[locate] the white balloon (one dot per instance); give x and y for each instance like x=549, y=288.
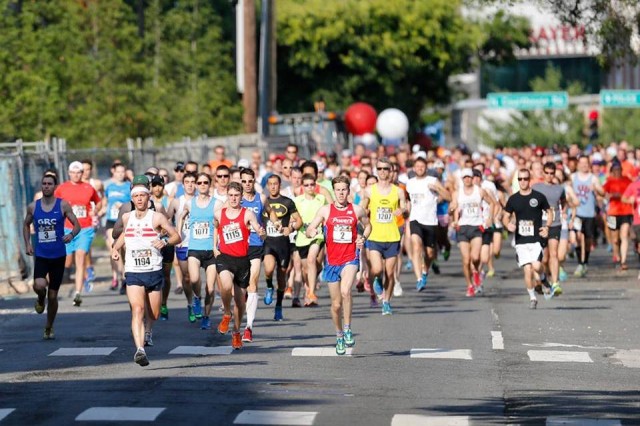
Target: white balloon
x=369, y=140
x=392, y=124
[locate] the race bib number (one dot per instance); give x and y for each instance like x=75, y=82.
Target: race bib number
x=46, y=234
x=231, y=233
x=113, y=212
x=384, y=215
x=417, y=199
x=342, y=234
x=185, y=225
x=141, y=257
x=201, y=230
x=79, y=211
x=611, y=222
x=577, y=224
x=525, y=228
x=471, y=210
x=272, y=230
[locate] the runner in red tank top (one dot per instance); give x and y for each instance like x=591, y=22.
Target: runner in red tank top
x=344, y=241
x=230, y=247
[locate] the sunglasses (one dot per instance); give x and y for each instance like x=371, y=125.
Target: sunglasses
x=247, y=181
x=309, y=184
x=179, y=170
x=223, y=176
x=203, y=182
x=523, y=179
x=549, y=173
x=383, y=168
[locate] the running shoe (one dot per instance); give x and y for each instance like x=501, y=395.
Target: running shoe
x=408, y=266
x=548, y=294
x=476, y=278
x=197, y=307
x=420, y=285
x=436, y=268
x=533, y=304
x=123, y=289
x=48, y=334
x=88, y=285
x=341, y=348
x=367, y=285
x=148, y=338
x=114, y=284
x=479, y=290
x=562, y=275
x=223, y=327
x=491, y=273
x=179, y=290
x=373, y=302
x=190, y=314
x=164, y=312
x=377, y=286
x=277, y=316
x=360, y=287
x=205, y=324
x=39, y=306
x=236, y=340
x=386, y=308
x=268, y=296
x=91, y=274
x=349, y=340
x=397, y=290
x=295, y=303
x=247, y=336
x=556, y=289
x=288, y=293
x=312, y=301
x=470, y=291
x=140, y=358
x=77, y=300
x=578, y=271
x=446, y=255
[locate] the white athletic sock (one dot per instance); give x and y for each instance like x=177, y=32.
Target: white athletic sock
x=532, y=293
x=252, y=307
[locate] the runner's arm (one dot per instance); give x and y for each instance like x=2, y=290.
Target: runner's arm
x=26, y=228
x=68, y=213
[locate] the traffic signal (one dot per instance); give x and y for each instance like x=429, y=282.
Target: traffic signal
x=593, y=125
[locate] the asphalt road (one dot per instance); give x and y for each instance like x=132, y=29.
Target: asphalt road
x=441, y=359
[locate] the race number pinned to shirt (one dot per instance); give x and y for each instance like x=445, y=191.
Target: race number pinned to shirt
x=384, y=215
x=231, y=233
x=525, y=228
x=201, y=230
x=46, y=234
x=114, y=211
x=611, y=222
x=471, y=210
x=79, y=211
x=342, y=234
x=577, y=224
x=272, y=230
x=141, y=258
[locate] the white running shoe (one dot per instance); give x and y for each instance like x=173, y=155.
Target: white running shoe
x=397, y=290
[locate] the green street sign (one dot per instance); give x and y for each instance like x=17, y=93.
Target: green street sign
x=528, y=100
x=620, y=98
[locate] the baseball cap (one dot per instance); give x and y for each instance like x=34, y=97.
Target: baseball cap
x=243, y=163
x=76, y=166
x=140, y=180
x=157, y=180
x=477, y=173
x=179, y=166
x=421, y=154
x=466, y=172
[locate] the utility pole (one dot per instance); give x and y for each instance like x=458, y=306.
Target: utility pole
x=265, y=66
x=249, y=97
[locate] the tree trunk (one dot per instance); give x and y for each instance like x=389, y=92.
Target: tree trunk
x=249, y=98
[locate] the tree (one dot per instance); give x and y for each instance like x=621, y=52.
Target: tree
x=503, y=34
x=540, y=128
x=618, y=124
x=390, y=54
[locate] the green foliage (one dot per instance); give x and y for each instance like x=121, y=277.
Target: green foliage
x=80, y=70
x=618, y=124
x=540, y=128
x=390, y=54
x=503, y=34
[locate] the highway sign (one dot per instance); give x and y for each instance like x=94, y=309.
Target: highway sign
x=620, y=98
x=528, y=100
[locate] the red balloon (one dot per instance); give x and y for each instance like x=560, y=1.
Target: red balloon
x=360, y=118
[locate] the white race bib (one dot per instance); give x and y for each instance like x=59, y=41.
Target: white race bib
x=611, y=222
x=114, y=211
x=384, y=215
x=471, y=210
x=79, y=211
x=577, y=224
x=272, y=231
x=342, y=234
x=46, y=234
x=231, y=233
x=141, y=258
x=525, y=228
x=201, y=230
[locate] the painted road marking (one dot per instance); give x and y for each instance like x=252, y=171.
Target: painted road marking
x=497, y=342
x=559, y=356
x=4, y=412
x=420, y=420
x=120, y=414
x=319, y=351
x=201, y=350
x=439, y=353
x=261, y=417
x=629, y=358
x=556, y=421
x=83, y=352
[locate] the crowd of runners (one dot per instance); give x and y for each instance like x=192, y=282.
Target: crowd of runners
x=351, y=220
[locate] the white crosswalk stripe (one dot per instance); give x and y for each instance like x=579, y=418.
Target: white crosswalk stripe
x=83, y=351
x=559, y=356
x=120, y=414
x=439, y=353
x=319, y=351
x=201, y=350
x=263, y=417
x=421, y=420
